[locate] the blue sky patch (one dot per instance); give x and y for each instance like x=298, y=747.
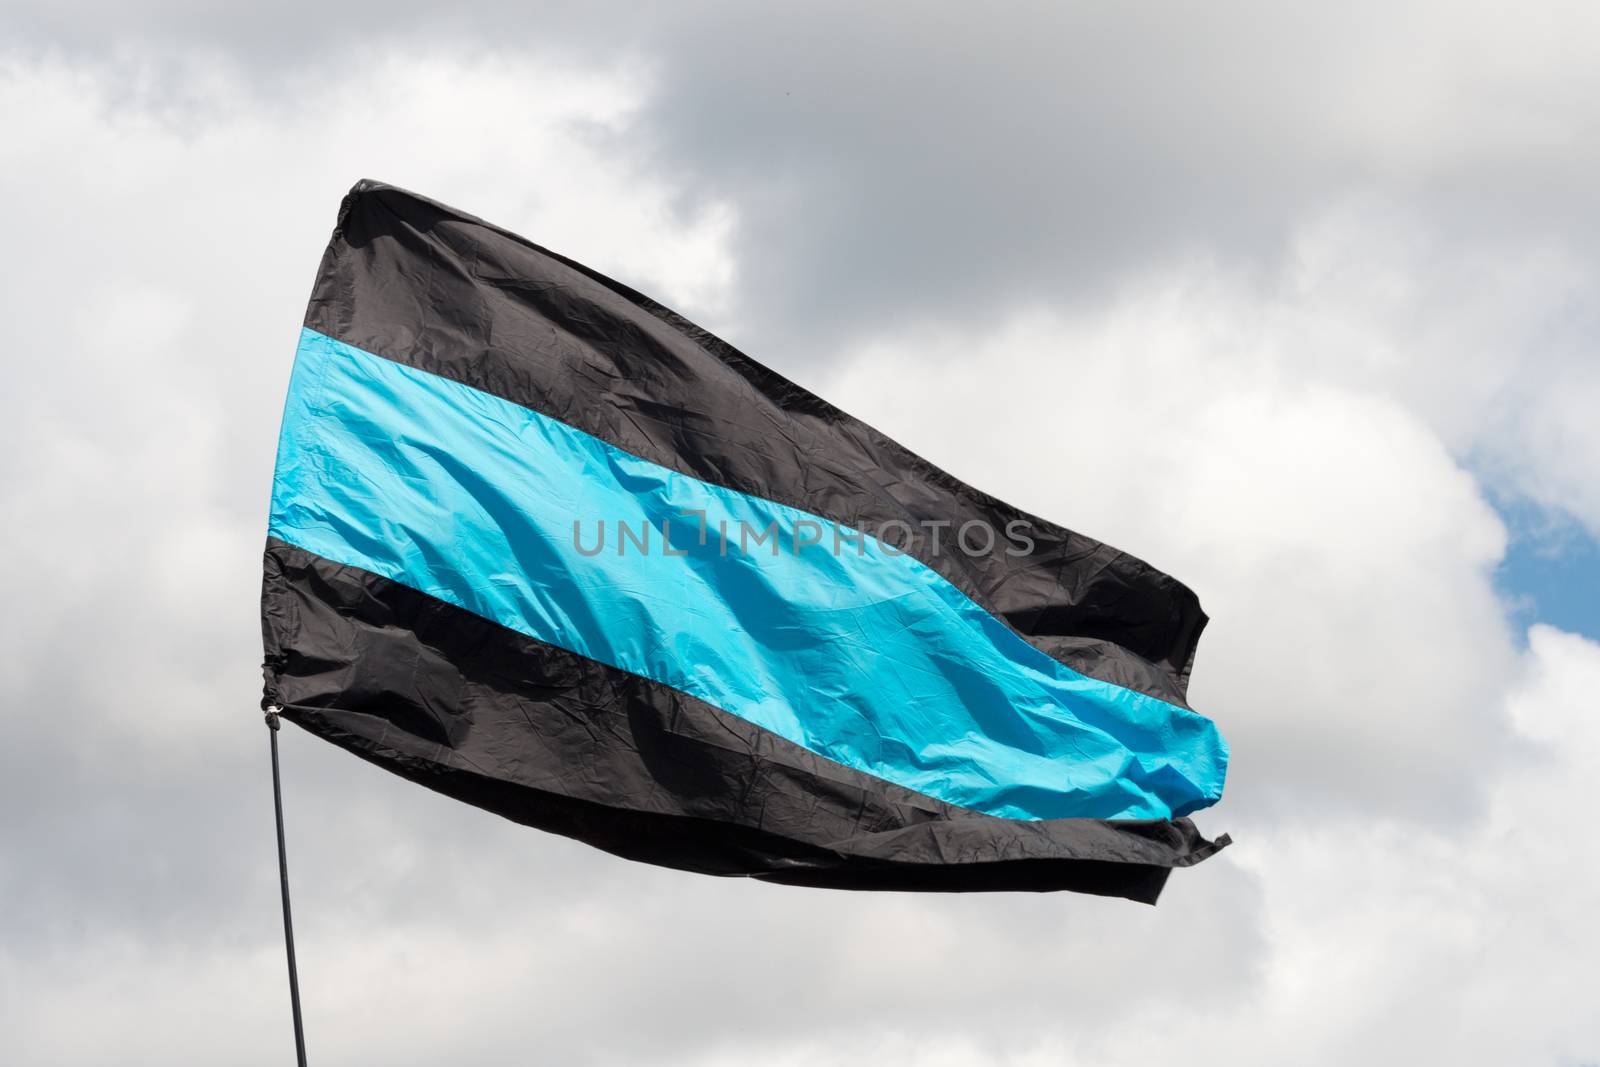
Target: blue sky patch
x=1551, y=572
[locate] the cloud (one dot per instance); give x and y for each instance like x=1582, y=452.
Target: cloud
x=1473, y=930
x=1344, y=555
x=157, y=267
x=1272, y=298
x=1352, y=938
x=907, y=163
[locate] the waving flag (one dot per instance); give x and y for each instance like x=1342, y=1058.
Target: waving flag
x=540, y=544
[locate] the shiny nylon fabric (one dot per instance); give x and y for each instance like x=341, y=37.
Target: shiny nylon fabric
x=558, y=741
x=426, y=285
x=855, y=652
x=582, y=747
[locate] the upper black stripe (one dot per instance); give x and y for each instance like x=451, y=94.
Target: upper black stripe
x=559, y=741
x=422, y=284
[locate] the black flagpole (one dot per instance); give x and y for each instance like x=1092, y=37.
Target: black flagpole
x=283, y=879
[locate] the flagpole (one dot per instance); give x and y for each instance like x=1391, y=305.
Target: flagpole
x=283, y=881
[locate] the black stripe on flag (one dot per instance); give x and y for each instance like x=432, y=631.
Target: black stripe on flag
x=553, y=740
x=424, y=285
x=550, y=737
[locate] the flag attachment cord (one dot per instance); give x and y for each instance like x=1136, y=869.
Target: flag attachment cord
x=283, y=880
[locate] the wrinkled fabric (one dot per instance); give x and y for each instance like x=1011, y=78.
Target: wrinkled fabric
x=425, y=285
x=855, y=719
x=556, y=741
x=829, y=639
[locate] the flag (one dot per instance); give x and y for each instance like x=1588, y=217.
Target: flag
x=543, y=545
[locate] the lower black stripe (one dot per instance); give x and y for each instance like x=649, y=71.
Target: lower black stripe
x=554, y=740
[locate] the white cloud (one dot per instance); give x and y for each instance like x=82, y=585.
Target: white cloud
x=157, y=263
x=1306, y=442
x=1323, y=940
x=1390, y=945
x=157, y=267
x=1492, y=345
x=1357, y=647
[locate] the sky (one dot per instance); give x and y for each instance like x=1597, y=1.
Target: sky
x=1297, y=302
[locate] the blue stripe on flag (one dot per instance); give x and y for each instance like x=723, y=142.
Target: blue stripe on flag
x=872, y=659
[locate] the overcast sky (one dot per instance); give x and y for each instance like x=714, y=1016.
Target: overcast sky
x=1298, y=302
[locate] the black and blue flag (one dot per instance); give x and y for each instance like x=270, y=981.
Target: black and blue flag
x=542, y=545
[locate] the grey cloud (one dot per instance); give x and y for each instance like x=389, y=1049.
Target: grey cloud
x=899, y=162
